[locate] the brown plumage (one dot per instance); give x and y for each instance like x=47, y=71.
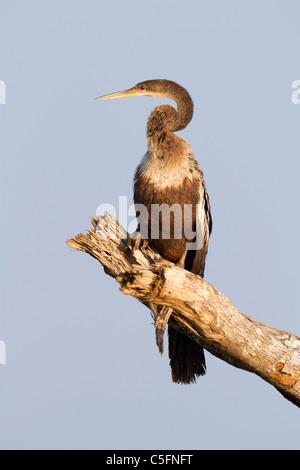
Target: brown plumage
x=169, y=174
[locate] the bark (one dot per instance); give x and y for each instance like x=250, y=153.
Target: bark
x=200, y=310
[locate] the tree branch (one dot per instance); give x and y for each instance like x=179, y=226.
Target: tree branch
x=200, y=310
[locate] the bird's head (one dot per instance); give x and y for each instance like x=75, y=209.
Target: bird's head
x=158, y=88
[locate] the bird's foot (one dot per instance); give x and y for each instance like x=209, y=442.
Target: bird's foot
x=181, y=261
x=135, y=241
x=160, y=326
x=154, y=311
x=162, y=317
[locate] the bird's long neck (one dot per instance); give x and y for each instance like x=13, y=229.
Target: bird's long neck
x=185, y=108
x=166, y=118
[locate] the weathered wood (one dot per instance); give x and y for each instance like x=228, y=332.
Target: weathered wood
x=200, y=310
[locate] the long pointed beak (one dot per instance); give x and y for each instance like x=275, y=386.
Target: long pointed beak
x=120, y=94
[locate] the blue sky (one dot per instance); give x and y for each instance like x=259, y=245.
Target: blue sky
x=82, y=369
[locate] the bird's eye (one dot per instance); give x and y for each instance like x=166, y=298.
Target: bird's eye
x=142, y=87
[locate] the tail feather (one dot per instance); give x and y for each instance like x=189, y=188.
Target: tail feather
x=187, y=358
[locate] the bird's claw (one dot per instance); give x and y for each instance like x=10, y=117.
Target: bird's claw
x=135, y=242
x=181, y=261
x=161, y=322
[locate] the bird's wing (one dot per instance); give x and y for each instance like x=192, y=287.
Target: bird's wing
x=203, y=230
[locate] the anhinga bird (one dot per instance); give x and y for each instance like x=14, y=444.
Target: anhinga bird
x=169, y=174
